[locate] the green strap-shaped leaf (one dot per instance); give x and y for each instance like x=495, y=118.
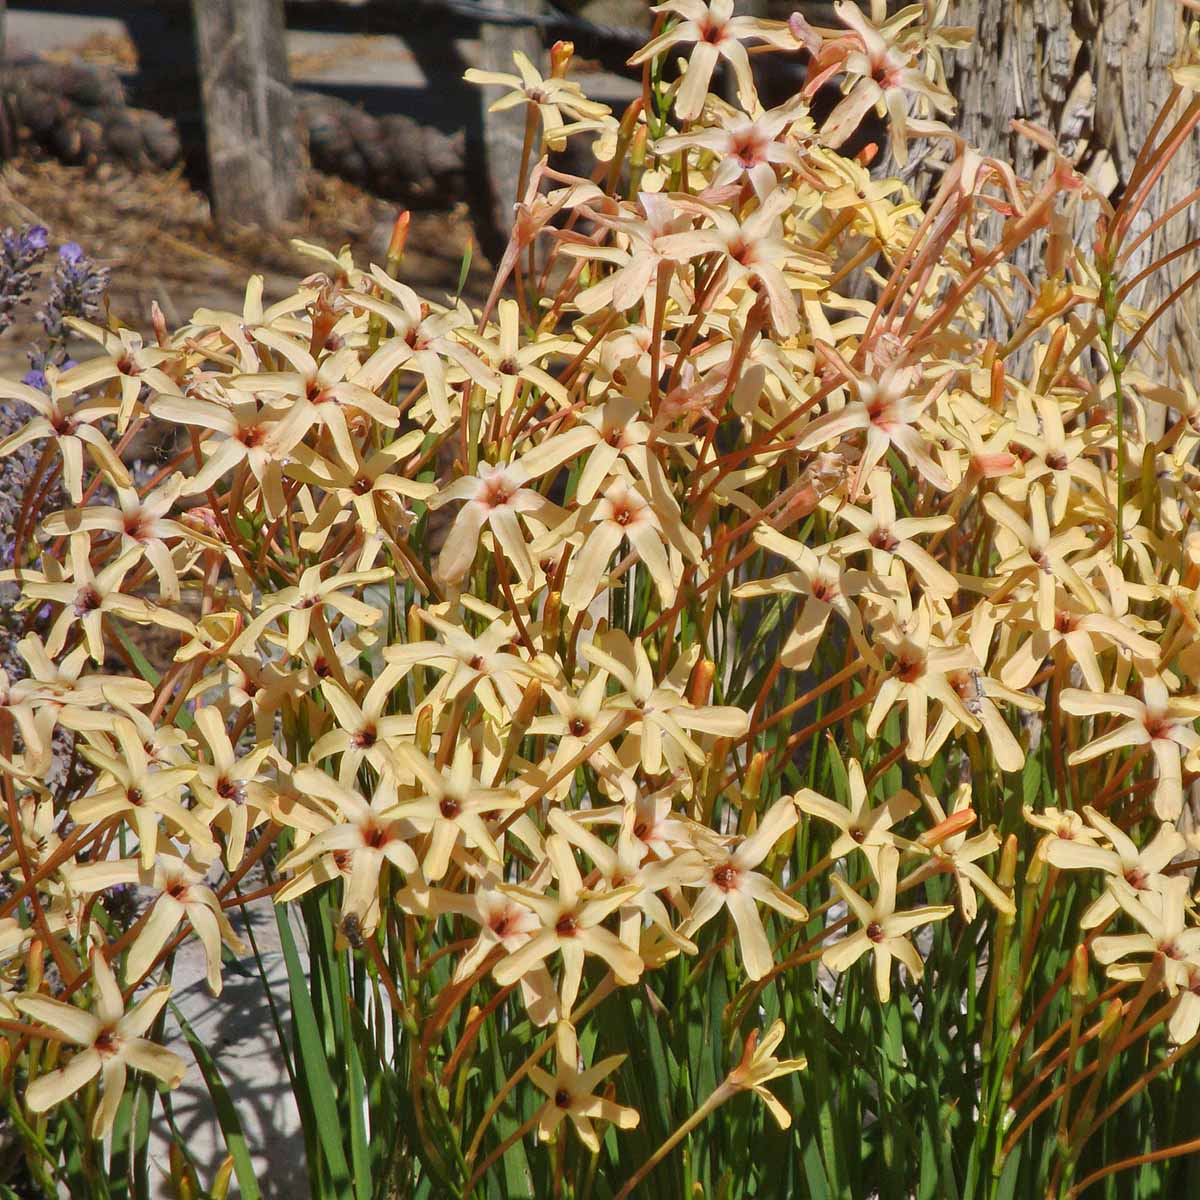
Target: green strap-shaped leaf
x=312, y=1066
x=227, y=1118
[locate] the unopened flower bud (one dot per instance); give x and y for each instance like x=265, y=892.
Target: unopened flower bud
x=551, y=622
x=637, y=147
x=1006, y=877
x=1079, y=972
x=561, y=54
x=220, y=1186
x=952, y=826
x=1053, y=357
x=804, y=33
x=752, y=787
x=424, y=730
x=701, y=682
x=399, y=239
x=34, y=965
x=323, y=319
x=159, y=324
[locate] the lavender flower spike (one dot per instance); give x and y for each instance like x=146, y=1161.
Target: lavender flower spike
x=20, y=253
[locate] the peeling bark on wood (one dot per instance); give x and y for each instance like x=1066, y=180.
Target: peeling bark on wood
x=254, y=146
x=1095, y=73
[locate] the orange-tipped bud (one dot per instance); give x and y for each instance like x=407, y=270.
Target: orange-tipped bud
x=34, y=964
x=996, y=397
x=1053, y=357
x=629, y=119
x=1079, y=972
x=954, y=824
x=324, y=318
x=424, y=732
x=399, y=238
x=159, y=324
x=561, y=54
x=701, y=682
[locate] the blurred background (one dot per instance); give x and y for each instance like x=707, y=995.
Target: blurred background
x=174, y=147
x=182, y=143
x=328, y=117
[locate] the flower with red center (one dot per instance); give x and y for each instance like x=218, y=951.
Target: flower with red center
x=883, y=928
x=889, y=412
x=1120, y=859
x=1164, y=723
x=363, y=731
x=111, y=1041
x=734, y=885
x=1165, y=929
x=883, y=537
x=751, y=147
x=454, y=807
x=861, y=826
x=622, y=513
x=826, y=585
x=130, y=783
x=367, y=834
x=571, y=925
x=621, y=866
x=126, y=359
x=754, y=252
x=569, y=1091
x=182, y=895
x=550, y=96
x=495, y=497
x=717, y=33
x=880, y=71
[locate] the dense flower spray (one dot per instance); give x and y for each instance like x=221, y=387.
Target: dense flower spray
x=650, y=667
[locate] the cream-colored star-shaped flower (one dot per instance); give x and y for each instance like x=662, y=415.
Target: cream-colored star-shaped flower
x=884, y=930
x=111, y=1041
x=733, y=884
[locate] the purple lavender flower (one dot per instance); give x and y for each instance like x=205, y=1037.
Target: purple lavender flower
x=77, y=289
x=20, y=253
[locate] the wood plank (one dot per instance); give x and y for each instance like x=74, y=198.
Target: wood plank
x=255, y=151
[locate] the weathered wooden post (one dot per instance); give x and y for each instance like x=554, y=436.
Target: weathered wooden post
x=504, y=132
x=255, y=153
x=1095, y=73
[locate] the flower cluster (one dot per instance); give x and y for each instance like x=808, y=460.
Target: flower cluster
x=20, y=253
x=76, y=292
x=514, y=634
